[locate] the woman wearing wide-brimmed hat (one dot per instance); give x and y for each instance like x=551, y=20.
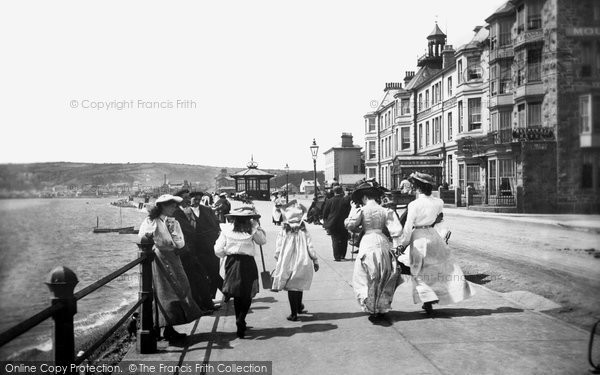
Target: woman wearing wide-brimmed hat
x=376, y=275
x=237, y=242
x=296, y=257
x=173, y=294
x=436, y=278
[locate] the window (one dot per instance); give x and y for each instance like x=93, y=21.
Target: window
x=450, y=174
x=521, y=115
x=590, y=60
x=474, y=114
x=473, y=69
x=505, y=77
x=426, y=98
x=521, y=19
x=505, y=38
x=492, y=177
x=405, y=104
x=585, y=112
x=372, y=150
x=438, y=130
x=587, y=175
x=589, y=114
x=426, y=133
x=405, y=138
x=520, y=64
x=371, y=121
x=493, y=78
x=420, y=102
x=493, y=38
x=420, y=135
x=534, y=114
x=473, y=176
x=460, y=116
x=450, y=126
x=372, y=173
x=494, y=122
x=461, y=177
x=459, y=71
x=534, y=15
x=534, y=65
x=506, y=176
x=449, y=87
x=505, y=127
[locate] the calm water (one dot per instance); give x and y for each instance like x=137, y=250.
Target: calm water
x=37, y=235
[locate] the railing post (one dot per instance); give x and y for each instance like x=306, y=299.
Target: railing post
x=146, y=337
x=457, y=197
x=61, y=283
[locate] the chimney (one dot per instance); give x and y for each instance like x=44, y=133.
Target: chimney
x=447, y=56
x=347, y=140
x=392, y=86
x=407, y=77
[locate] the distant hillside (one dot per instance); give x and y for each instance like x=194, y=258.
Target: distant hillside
x=36, y=176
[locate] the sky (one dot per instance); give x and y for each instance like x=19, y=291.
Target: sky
x=206, y=82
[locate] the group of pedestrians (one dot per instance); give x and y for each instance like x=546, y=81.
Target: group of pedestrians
x=395, y=249
x=188, y=242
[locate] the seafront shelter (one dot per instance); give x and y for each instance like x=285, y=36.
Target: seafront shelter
x=254, y=182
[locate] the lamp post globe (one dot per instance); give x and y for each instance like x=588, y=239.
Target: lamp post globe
x=287, y=182
x=314, y=149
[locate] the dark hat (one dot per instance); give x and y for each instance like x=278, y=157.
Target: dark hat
x=181, y=192
x=423, y=177
x=338, y=190
x=366, y=186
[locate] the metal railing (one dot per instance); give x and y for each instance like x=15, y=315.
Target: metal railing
x=62, y=282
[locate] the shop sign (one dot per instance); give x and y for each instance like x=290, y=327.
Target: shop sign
x=583, y=31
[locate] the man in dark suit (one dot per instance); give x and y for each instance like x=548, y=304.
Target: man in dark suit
x=207, y=231
x=191, y=259
x=336, y=210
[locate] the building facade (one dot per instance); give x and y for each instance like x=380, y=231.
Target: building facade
x=512, y=118
x=343, y=159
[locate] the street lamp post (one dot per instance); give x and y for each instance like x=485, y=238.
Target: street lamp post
x=287, y=183
x=314, y=149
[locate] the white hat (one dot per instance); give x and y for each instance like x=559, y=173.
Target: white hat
x=168, y=197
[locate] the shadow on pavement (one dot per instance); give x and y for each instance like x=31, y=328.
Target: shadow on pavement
x=265, y=300
x=479, y=278
x=267, y=333
x=447, y=313
x=330, y=316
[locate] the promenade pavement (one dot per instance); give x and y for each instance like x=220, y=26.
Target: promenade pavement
x=486, y=334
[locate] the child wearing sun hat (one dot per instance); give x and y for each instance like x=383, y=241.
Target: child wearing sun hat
x=296, y=257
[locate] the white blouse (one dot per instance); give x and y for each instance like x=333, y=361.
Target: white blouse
x=166, y=232
x=423, y=211
x=230, y=242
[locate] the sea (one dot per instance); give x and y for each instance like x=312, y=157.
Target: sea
x=38, y=235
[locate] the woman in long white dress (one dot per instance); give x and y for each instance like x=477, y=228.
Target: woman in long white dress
x=436, y=278
x=376, y=275
x=296, y=258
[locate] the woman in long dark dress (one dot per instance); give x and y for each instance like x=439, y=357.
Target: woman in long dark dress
x=173, y=294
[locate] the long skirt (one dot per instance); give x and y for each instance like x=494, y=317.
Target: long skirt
x=174, y=299
x=376, y=275
x=435, y=276
x=241, y=276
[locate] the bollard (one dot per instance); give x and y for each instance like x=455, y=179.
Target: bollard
x=468, y=196
x=61, y=283
x=146, y=337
